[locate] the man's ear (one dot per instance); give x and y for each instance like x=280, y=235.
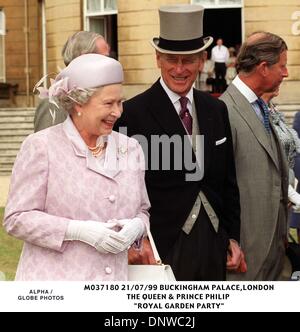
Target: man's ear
x=263, y=68
x=158, y=59
x=203, y=58
x=201, y=64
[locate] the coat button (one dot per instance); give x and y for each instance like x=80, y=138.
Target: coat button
x=194, y=216
x=108, y=270
x=112, y=198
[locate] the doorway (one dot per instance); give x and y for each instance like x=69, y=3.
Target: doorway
x=225, y=23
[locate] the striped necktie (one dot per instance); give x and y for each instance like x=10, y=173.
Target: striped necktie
x=265, y=113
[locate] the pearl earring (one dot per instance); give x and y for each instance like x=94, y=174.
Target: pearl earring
x=79, y=113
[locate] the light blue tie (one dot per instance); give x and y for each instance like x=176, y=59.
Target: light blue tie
x=265, y=113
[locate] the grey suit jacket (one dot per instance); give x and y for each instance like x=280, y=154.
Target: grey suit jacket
x=262, y=176
x=43, y=118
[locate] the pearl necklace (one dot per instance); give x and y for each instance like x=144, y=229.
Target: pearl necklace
x=98, y=149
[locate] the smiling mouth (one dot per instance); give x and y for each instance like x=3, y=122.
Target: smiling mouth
x=109, y=123
x=179, y=79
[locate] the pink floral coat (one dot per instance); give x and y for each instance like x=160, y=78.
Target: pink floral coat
x=55, y=179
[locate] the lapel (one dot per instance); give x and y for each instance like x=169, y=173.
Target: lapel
x=206, y=126
x=112, y=164
x=244, y=108
x=164, y=112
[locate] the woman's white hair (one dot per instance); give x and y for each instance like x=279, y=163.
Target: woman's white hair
x=79, y=96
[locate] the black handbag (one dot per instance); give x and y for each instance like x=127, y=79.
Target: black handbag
x=293, y=253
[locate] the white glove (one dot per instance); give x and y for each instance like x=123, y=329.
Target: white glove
x=96, y=234
x=132, y=230
x=294, y=198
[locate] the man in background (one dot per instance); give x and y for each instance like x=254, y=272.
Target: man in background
x=82, y=42
x=261, y=166
x=220, y=56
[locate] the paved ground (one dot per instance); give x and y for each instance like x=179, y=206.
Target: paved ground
x=4, y=185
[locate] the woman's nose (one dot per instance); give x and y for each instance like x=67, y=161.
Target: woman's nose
x=117, y=110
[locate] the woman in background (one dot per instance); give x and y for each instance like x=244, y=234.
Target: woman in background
x=295, y=217
x=231, y=66
x=290, y=142
x=205, y=80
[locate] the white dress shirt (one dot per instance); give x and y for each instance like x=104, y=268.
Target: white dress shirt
x=249, y=95
x=220, y=54
x=174, y=97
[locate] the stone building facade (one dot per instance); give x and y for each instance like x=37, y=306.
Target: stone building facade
x=32, y=34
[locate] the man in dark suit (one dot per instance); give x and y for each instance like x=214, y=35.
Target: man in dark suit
x=195, y=203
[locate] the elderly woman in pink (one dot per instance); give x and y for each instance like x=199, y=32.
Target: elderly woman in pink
x=77, y=195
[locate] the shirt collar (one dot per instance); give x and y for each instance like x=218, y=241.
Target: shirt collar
x=244, y=90
x=77, y=142
x=72, y=133
x=108, y=167
x=174, y=97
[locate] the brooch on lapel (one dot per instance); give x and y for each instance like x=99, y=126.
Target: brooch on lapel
x=122, y=150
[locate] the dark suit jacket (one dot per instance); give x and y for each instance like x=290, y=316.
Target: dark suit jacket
x=171, y=196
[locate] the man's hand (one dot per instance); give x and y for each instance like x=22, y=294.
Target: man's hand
x=243, y=266
x=143, y=256
x=235, y=258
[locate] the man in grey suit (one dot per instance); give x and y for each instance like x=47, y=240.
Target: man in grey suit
x=261, y=166
x=79, y=43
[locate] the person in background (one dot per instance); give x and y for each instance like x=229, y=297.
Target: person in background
x=194, y=218
x=68, y=198
x=206, y=78
x=295, y=217
x=220, y=56
x=231, y=66
x=290, y=142
x=81, y=42
x=262, y=171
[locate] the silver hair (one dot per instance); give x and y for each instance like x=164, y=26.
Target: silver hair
x=81, y=42
x=260, y=46
x=79, y=96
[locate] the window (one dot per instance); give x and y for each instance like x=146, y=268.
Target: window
x=101, y=17
x=101, y=6
x=231, y=3
x=218, y=3
x=2, y=49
